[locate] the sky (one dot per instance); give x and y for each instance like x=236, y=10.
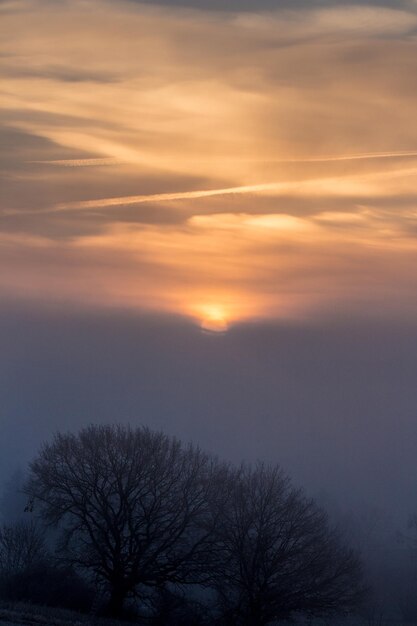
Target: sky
x=208, y=224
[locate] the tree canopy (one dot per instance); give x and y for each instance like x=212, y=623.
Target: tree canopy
x=135, y=506
x=281, y=555
x=139, y=510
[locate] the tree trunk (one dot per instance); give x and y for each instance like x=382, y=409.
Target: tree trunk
x=254, y=615
x=116, y=602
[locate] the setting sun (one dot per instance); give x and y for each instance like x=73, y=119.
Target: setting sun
x=213, y=317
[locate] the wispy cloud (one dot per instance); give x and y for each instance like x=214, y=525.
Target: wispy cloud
x=283, y=142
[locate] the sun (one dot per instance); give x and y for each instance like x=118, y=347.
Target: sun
x=213, y=317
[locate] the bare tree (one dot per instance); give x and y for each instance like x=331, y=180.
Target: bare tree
x=22, y=547
x=281, y=557
x=135, y=506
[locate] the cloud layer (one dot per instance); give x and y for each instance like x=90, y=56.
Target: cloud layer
x=223, y=166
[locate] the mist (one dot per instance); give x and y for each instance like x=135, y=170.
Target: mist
x=333, y=402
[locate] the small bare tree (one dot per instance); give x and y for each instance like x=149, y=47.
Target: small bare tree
x=135, y=506
x=280, y=555
x=22, y=546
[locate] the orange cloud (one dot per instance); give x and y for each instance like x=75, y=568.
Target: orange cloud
x=256, y=165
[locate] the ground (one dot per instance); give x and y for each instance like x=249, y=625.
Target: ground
x=29, y=615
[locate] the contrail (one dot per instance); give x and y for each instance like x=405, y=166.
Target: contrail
x=204, y=193
x=160, y=197
x=320, y=159
x=353, y=157
x=81, y=162
x=207, y=193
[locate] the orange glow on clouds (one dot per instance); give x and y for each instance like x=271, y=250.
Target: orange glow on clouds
x=221, y=166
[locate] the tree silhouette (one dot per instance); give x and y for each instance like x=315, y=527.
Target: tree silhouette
x=281, y=557
x=136, y=508
x=22, y=547
x=142, y=513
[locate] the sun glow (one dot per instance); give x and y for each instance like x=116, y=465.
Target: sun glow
x=213, y=317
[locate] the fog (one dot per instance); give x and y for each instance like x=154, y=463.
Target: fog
x=333, y=402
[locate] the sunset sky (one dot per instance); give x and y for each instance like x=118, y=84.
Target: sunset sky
x=246, y=168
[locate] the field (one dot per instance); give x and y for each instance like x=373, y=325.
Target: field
x=29, y=615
